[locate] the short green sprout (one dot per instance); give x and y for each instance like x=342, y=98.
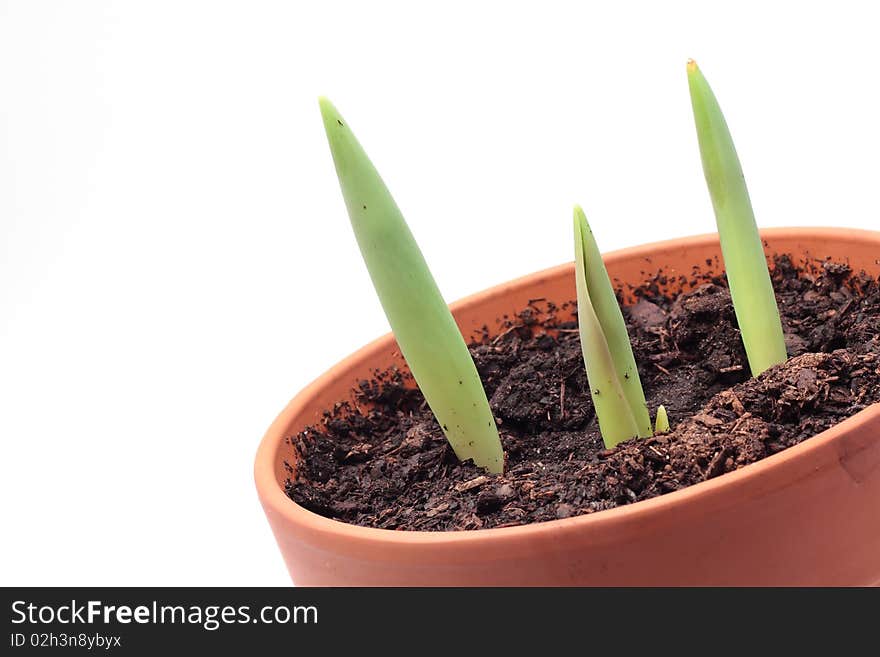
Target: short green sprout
x=611, y=367
x=661, y=422
x=426, y=332
x=750, y=288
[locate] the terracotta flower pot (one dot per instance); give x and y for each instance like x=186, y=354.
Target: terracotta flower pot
x=807, y=515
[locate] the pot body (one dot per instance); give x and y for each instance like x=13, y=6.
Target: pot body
x=809, y=515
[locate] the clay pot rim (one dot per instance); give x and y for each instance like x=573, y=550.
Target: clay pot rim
x=275, y=499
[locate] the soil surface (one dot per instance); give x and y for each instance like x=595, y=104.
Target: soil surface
x=384, y=462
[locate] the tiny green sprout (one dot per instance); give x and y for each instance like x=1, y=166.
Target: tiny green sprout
x=661, y=422
x=750, y=288
x=611, y=368
x=425, y=330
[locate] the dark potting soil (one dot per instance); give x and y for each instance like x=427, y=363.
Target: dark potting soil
x=391, y=467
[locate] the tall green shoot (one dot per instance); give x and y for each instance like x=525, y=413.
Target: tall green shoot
x=750, y=288
x=425, y=330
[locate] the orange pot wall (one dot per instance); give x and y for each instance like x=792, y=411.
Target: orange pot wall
x=807, y=516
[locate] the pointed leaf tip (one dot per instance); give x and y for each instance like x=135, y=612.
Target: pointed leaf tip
x=325, y=104
x=692, y=66
x=329, y=112
x=578, y=216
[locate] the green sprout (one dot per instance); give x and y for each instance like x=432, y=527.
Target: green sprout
x=750, y=288
x=425, y=330
x=611, y=367
x=661, y=423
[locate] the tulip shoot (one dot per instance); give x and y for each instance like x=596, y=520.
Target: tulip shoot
x=423, y=326
x=661, y=422
x=748, y=278
x=611, y=369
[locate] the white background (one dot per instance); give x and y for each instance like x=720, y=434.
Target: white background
x=175, y=258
